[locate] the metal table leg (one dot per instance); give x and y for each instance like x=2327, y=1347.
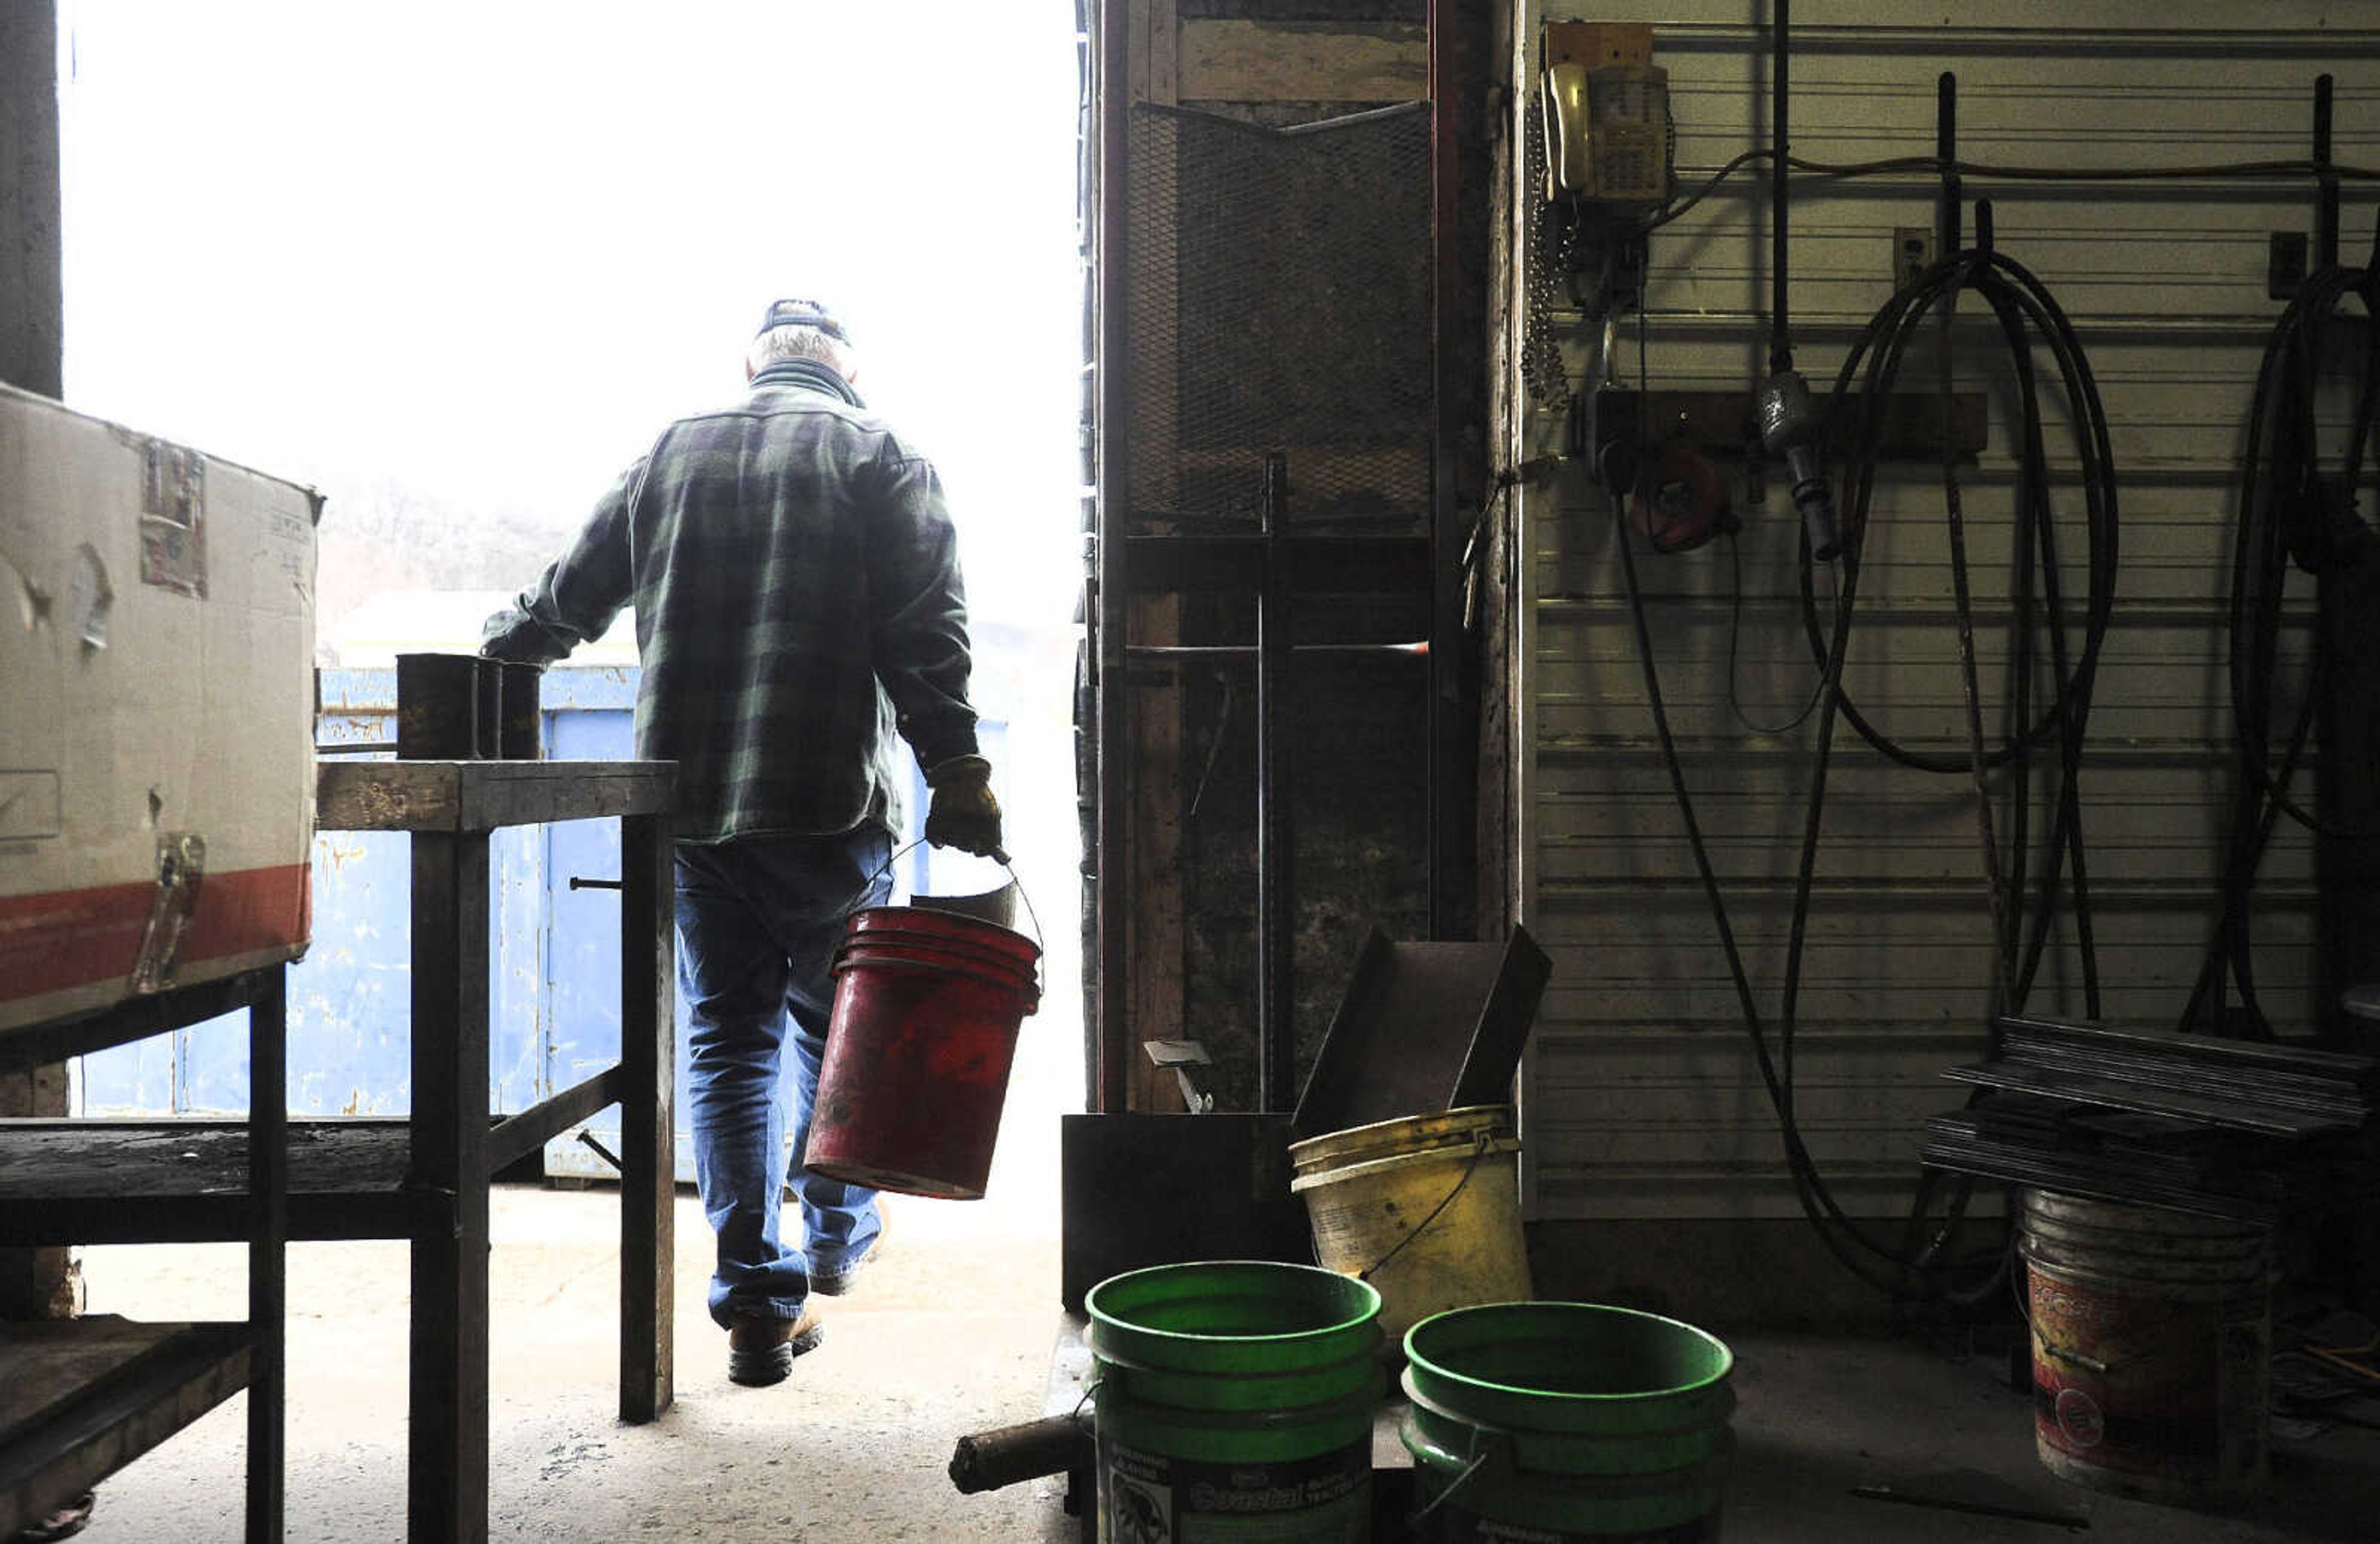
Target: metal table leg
x=648, y=1156
x=446, y=1497
x=268, y=1181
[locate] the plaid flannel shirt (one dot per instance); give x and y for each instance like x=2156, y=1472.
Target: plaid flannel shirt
x=797, y=586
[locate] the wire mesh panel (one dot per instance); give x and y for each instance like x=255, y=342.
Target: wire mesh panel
x=1276, y=292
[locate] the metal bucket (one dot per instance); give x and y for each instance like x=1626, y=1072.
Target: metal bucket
x=1427, y=1209
x=2151, y=1348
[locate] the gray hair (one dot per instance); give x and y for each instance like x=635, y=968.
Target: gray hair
x=801, y=342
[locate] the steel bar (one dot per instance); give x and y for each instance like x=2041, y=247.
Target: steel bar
x=1109, y=1059
x=648, y=1141
x=1275, y=857
x=1250, y=651
x=135, y=1019
x=517, y=1135
x=1945, y=150
x=1452, y=771
x=446, y=1489
x=1234, y=560
x=2325, y=230
x=2115, y=43
x=268, y=1256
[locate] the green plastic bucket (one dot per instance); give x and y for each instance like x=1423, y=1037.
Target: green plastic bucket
x=1560, y=1421
x=1235, y=1402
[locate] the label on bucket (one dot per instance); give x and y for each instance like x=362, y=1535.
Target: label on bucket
x=1148, y=1498
x=2137, y=1383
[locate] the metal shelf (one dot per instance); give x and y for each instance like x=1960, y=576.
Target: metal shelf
x=84, y=1397
x=135, y=1019
x=185, y=1181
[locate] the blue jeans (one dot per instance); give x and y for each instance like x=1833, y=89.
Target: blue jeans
x=758, y=922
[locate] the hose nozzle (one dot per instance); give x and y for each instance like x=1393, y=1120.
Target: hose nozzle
x=1790, y=427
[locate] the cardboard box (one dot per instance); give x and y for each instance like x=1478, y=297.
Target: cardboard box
x=156, y=713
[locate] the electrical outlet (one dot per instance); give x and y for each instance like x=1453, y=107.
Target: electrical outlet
x=1912, y=253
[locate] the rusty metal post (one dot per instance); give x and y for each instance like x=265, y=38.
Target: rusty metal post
x=1276, y=828
x=1111, y=1061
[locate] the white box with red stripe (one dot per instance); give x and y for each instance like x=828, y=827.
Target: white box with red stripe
x=156, y=713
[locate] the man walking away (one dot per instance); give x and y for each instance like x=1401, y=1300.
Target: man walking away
x=797, y=586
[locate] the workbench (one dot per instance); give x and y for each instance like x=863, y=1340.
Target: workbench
x=424, y=1178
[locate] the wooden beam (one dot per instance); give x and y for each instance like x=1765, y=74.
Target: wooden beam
x=1303, y=61
x=1154, y=37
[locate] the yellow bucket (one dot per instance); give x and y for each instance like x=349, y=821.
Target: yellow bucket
x=1427, y=1209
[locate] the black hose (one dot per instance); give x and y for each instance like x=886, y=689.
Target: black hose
x=2024, y=307
x=2288, y=515
x=2021, y=303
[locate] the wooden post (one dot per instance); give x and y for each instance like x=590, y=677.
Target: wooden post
x=446, y=1493
x=648, y=1141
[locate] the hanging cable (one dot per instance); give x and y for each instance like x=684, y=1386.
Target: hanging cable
x=1734, y=638
x=2294, y=508
x=1935, y=166
x=2025, y=312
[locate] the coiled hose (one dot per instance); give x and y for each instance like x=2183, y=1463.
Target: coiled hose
x=2292, y=508
x=2026, y=312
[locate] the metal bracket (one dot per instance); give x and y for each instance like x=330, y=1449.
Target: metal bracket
x=181, y=865
x=1180, y=1056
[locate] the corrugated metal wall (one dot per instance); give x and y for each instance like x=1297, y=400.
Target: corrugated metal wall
x=1641, y=1098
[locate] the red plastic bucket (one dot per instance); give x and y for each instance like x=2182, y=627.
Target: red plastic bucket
x=927, y=1007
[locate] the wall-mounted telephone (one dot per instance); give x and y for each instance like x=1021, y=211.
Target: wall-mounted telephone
x=1606, y=113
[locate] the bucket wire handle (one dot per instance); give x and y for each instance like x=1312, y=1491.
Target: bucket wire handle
x=997, y=856
x=1486, y=1140
x=1479, y=1457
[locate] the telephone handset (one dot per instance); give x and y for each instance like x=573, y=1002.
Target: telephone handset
x=1606, y=115
x=1570, y=170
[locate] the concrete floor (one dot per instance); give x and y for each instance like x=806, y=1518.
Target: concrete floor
x=953, y=1334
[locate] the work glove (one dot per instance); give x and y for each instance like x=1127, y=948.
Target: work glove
x=963, y=815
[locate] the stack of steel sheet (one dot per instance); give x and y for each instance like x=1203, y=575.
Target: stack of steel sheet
x=2224, y=1128
x=2236, y=1084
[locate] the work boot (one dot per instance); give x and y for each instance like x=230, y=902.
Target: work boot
x=836, y=1283
x=762, y=1351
